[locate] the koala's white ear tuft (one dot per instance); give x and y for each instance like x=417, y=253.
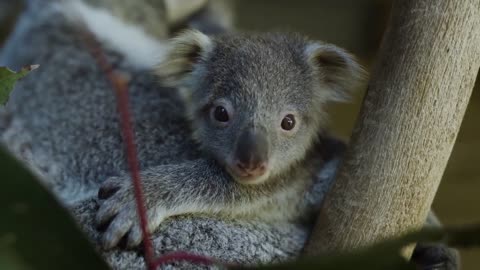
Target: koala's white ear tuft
x=337, y=70
x=186, y=51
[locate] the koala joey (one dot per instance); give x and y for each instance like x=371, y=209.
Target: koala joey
x=256, y=108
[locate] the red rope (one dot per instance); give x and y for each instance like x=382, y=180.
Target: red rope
x=122, y=101
x=120, y=85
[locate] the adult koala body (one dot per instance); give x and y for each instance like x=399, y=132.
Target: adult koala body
x=62, y=121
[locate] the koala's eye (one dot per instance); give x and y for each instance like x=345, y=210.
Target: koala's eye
x=288, y=122
x=221, y=114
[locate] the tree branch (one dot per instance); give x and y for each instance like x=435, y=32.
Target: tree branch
x=407, y=127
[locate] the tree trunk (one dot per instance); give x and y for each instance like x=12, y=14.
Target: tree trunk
x=411, y=114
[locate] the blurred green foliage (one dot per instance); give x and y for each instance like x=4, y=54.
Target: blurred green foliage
x=386, y=255
x=36, y=232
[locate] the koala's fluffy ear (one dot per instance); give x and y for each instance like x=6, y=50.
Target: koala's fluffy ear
x=338, y=71
x=187, y=50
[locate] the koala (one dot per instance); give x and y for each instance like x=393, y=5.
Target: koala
x=236, y=129
x=256, y=108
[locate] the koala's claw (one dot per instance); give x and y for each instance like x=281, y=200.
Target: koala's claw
x=108, y=188
x=119, y=226
x=118, y=211
x=117, y=208
x=134, y=236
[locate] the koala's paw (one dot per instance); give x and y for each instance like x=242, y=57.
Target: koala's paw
x=436, y=257
x=118, y=210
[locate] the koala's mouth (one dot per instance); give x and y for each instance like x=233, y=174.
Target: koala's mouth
x=243, y=176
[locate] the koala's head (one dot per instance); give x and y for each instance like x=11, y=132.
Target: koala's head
x=257, y=102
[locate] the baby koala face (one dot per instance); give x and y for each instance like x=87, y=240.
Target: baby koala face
x=256, y=102
x=252, y=138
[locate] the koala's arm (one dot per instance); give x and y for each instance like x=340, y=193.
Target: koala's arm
x=197, y=186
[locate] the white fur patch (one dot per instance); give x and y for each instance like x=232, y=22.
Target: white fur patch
x=139, y=48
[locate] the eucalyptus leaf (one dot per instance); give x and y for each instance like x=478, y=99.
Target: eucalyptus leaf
x=8, y=78
x=386, y=254
x=36, y=232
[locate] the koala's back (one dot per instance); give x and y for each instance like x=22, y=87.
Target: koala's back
x=66, y=110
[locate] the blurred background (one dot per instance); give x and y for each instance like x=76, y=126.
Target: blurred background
x=358, y=25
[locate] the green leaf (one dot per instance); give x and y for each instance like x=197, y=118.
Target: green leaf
x=8, y=79
x=384, y=255
x=9, y=260
x=36, y=232
x=368, y=259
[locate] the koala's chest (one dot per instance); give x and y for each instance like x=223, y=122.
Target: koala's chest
x=287, y=204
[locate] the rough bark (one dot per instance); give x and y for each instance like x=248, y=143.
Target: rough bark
x=407, y=127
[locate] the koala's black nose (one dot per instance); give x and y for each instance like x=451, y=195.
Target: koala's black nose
x=251, y=153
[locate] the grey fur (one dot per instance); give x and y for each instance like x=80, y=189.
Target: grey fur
x=62, y=121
